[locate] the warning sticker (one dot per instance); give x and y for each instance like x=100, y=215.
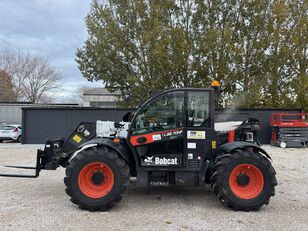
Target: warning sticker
x=77, y=138
x=156, y=137
x=196, y=135
x=214, y=144
x=191, y=145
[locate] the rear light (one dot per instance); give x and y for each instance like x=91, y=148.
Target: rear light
x=15, y=130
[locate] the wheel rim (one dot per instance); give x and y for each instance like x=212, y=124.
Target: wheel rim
x=96, y=180
x=246, y=181
x=283, y=144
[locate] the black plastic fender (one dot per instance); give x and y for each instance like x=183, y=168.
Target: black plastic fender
x=118, y=147
x=229, y=147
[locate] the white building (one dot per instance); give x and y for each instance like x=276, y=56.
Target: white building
x=100, y=97
x=11, y=113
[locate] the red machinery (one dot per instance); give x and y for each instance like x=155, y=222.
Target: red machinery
x=289, y=130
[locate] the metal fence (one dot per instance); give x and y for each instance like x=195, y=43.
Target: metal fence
x=41, y=123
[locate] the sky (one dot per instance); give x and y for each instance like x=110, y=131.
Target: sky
x=53, y=29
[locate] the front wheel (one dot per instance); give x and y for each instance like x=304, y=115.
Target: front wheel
x=243, y=180
x=96, y=179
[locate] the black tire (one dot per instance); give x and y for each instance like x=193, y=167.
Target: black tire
x=1, y=141
x=19, y=139
x=222, y=170
x=118, y=167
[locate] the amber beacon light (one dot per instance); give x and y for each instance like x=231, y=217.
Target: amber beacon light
x=215, y=83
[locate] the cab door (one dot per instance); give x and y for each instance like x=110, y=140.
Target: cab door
x=200, y=127
x=156, y=133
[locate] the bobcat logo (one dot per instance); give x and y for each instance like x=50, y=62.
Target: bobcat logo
x=149, y=160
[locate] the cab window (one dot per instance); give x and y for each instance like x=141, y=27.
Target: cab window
x=162, y=113
x=198, y=108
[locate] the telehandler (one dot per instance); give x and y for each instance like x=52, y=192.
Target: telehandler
x=171, y=140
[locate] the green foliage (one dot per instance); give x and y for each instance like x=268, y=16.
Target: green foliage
x=257, y=49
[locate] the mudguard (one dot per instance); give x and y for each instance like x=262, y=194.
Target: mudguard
x=229, y=147
x=118, y=147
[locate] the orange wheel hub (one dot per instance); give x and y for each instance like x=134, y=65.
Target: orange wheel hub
x=96, y=180
x=246, y=181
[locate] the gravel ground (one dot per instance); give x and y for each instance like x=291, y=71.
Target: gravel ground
x=42, y=204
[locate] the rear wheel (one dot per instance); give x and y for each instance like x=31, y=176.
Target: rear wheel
x=96, y=179
x=243, y=180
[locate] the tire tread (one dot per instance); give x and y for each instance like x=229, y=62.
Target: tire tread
x=124, y=173
x=221, y=163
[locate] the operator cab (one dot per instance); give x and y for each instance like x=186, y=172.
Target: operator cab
x=173, y=128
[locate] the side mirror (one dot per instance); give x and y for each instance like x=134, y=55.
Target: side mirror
x=127, y=96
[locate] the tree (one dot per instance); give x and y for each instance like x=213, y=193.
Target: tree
x=298, y=61
x=146, y=46
x=249, y=43
x=32, y=76
x=7, y=93
x=257, y=49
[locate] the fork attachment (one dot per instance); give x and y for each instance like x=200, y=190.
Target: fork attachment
x=48, y=159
